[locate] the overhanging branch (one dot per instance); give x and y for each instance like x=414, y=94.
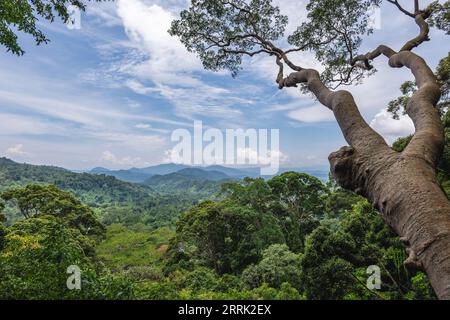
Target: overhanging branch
x=396, y=3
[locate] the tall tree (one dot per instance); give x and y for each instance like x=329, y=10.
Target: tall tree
x=22, y=15
x=401, y=185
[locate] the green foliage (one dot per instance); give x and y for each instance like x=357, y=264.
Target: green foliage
x=221, y=32
x=113, y=200
x=165, y=290
x=136, y=250
x=96, y=191
x=400, y=144
x=224, y=236
x=421, y=289
x=177, y=183
x=2, y=228
x=36, y=200
x=35, y=257
x=295, y=199
x=290, y=237
x=440, y=17
x=399, y=104
x=58, y=232
x=334, y=31
x=23, y=15
x=345, y=239
x=442, y=73
x=335, y=259
x=277, y=267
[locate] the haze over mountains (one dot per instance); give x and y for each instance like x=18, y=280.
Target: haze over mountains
x=210, y=173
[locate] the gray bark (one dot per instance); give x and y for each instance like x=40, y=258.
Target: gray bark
x=402, y=186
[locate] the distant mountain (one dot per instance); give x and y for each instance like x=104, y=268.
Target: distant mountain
x=117, y=201
x=321, y=174
x=131, y=175
x=202, y=174
x=99, y=170
x=189, y=180
x=94, y=190
x=139, y=175
x=233, y=172
x=162, y=169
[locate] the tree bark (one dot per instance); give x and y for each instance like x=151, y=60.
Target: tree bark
x=405, y=190
x=402, y=186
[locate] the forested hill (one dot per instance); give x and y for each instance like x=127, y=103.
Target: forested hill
x=157, y=203
x=94, y=190
x=194, y=181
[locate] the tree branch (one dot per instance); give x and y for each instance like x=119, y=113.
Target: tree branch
x=408, y=46
x=355, y=129
x=428, y=138
x=423, y=35
x=395, y=2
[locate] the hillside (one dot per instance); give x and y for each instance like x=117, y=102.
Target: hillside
x=190, y=180
x=139, y=175
x=131, y=175
x=94, y=190
x=157, y=203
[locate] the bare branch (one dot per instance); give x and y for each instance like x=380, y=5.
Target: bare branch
x=395, y=2
x=423, y=35
x=408, y=46
x=428, y=140
x=365, y=58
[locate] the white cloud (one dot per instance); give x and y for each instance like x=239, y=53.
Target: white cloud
x=162, y=65
x=392, y=129
x=261, y=159
x=106, y=11
x=316, y=113
x=16, y=150
x=143, y=126
x=108, y=156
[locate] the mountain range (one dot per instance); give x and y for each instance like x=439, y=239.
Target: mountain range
x=211, y=173
x=154, y=195
x=94, y=190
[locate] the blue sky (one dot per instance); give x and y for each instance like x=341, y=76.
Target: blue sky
x=111, y=93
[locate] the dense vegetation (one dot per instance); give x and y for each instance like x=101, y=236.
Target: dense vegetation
x=291, y=237
x=157, y=203
x=196, y=235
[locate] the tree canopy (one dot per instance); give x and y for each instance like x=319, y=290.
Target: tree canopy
x=23, y=15
x=223, y=32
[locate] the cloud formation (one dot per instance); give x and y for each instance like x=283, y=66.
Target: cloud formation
x=17, y=150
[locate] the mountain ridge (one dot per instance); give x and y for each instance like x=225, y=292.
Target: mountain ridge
x=140, y=175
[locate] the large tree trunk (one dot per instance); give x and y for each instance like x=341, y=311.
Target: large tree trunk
x=402, y=186
x=404, y=189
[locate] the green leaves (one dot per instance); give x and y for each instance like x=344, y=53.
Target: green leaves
x=440, y=17
x=333, y=31
x=37, y=200
x=221, y=32
x=408, y=88
x=22, y=15
x=277, y=266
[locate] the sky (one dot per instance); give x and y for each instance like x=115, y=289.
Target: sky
x=111, y=93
